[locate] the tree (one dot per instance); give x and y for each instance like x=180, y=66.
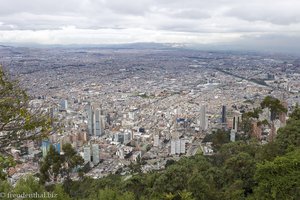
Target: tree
x=55, y=164
x=186, y=195
x=70, y=159
x=274, y=105
x=110, y=194
x=218, y=138
x=5, y=162
x=241, y=167
x=60, y=193
x=28, y=185
x=50, y=167
x=18, y=120
x=279, y=179
x=295, y=115
x=5, y=188
x=289, y=136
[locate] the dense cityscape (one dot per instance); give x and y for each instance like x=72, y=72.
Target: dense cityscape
x=117, y=106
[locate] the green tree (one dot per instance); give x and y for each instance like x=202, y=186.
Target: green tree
x=169, y=196
x=5, y=188
x=279, y=179
x=288, y=137
x=70, y=159
x=28, y=185
x=60, y=193
x=55, y=164
x=186, y=195
x=5, y=162
x=241, y=167
x=274, y=105
x=51, y=166
x=295, y=115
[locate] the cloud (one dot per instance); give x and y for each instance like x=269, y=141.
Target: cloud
x=113, y=21
x=277, y=12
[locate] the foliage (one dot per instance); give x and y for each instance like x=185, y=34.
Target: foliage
x=218, y=138
x=5, y=188
x=5, y=162
x=274, y=105
x=18, y=120
x=55, y=164
x=50, y=167
x=279, y=179
x=60, y=193
x=28, y=185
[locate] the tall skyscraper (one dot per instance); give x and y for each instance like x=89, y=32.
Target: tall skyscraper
x=235, y=123
x=97, y=124
x=102, y=123
x=96, y=121
x=203, y=123
x=87, y=154
x=223, y=119
x=90, y=119
x=95, y=153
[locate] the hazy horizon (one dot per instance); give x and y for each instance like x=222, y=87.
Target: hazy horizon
x=230, y=24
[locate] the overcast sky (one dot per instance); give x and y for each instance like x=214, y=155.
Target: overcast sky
x=168, y=21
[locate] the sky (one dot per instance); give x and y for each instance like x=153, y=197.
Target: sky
x=249, y=23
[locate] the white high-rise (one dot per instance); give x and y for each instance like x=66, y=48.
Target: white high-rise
x=177, y=146
x=87, y=154
x=156, y=140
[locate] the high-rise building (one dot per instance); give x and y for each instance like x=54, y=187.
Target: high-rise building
x=156, y=140
x=235, y=123
x=203, y=123
x=177, y=146
x=96, y=121
x=95, y=154
x=223, y=119
x=102, y=123
x=90, y=119
x=182, y=146
x=232, y=135
x=97, y=125
x=87, y=154
x=173, y=147
x=45, y=147
x=63, y=105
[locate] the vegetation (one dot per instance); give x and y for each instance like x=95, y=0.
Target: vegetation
x=55, y=164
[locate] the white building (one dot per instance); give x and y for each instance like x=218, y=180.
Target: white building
x=87, y=154
x=156, y=141
x=178, y=146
